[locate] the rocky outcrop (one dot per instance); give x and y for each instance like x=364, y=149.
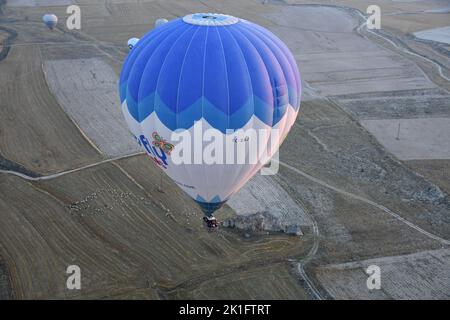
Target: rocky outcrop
x=261, y=221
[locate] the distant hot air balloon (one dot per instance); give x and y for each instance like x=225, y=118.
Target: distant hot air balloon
x=160, y=22
x=132, y=42
x=50, y=20
x=209, y=73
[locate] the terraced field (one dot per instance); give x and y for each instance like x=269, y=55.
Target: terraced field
x=36, y=132
x=125, y=235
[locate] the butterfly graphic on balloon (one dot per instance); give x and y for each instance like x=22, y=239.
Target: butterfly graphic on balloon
x=161, y=143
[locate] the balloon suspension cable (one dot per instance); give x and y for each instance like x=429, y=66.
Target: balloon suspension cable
x=160, y=188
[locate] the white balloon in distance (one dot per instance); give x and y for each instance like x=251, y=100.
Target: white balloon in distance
x=160, y=22
x=132, y=42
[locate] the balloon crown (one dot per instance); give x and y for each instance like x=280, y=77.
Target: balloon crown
x=210, y=19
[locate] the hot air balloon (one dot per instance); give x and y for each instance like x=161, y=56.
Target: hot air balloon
x=50, y=20
x=132, y=42
x=160, y=22
x=207, y=75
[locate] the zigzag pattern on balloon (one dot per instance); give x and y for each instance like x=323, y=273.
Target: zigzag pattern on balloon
x=203, y=108
x=224, y=178
x=209, y=206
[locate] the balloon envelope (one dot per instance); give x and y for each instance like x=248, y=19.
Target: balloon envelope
x=209, y=75
x=132, y=42
x=160, y=22
x=50, y=20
